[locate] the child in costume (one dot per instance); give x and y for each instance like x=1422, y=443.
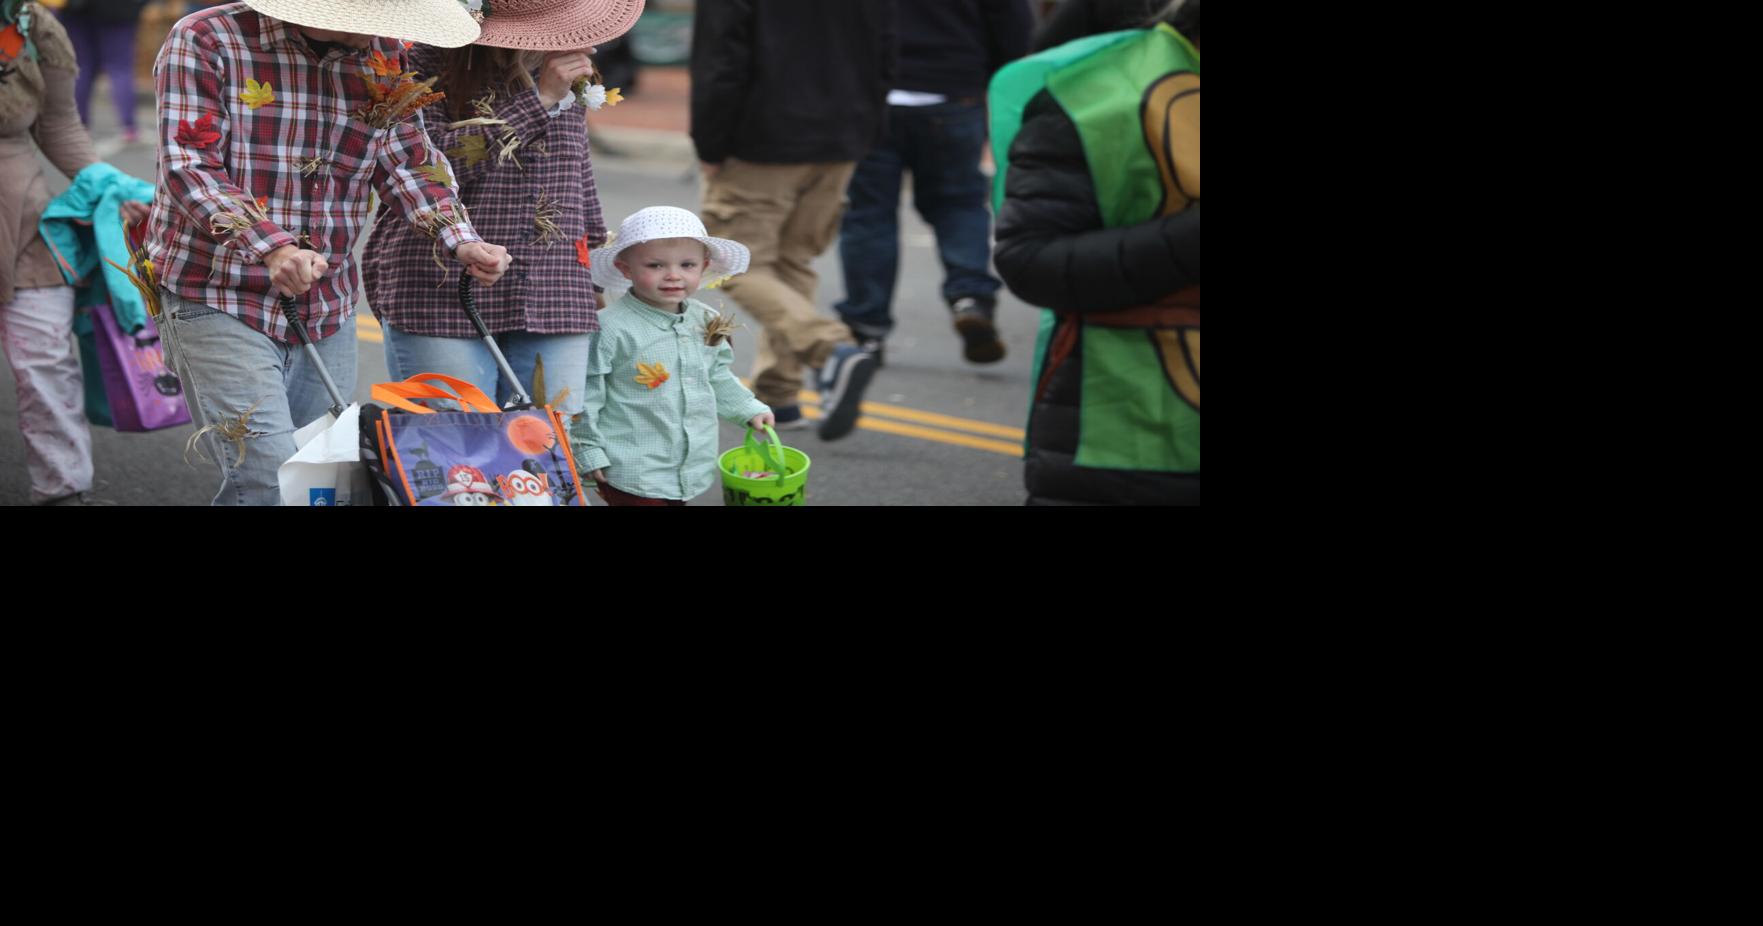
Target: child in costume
x=658, y=374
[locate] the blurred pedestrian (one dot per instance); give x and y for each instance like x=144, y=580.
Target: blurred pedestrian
x=38, y=119
x=786, y=96
x=103, y=34
x=949, y=50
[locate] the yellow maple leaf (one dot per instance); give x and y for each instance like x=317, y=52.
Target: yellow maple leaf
x=613, y=97
x=471, y=150
x=654, y=374
x=257, y=95
x=438, y=173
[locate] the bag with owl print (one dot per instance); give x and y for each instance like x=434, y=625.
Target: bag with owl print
x=482, y=456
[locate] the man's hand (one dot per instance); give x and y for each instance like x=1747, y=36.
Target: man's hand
x=294, y=271
x=487, y=262
x=559, y=73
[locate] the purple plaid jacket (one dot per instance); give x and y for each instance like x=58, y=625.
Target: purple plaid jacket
x=299, y=152
x=548, y=289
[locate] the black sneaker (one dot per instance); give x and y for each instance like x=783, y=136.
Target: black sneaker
x=842, y=381
x=979, y=337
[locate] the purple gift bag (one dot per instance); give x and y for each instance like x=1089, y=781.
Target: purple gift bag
x=144, y=393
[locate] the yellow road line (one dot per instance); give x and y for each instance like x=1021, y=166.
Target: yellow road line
x=884, y=410
x=932, y=418
x=812, y=412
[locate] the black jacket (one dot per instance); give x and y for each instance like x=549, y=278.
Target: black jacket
x=953, y=47
x=791, y=81
x=1075, y=19
x=1053, y=252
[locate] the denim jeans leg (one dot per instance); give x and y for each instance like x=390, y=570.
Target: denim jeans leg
x=566, y=366
x=869, y=242
x=951, y=193
x=308, y=400
x=234, y=379
x=461, y=358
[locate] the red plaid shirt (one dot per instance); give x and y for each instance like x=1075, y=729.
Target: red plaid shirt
x=302, y=156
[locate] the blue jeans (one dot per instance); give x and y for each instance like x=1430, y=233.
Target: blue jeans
x=565, y=356
x=941, y=146
x=258, y=389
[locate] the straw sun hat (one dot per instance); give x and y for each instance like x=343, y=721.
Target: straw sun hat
x=442, y=23
x=727, y=258
x=555, y=25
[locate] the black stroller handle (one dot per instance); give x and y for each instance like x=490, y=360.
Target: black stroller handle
x=291, y=312
x=469, y=303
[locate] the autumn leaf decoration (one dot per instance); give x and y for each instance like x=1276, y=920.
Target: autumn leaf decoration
x=437, y=172
x=583, y=252
x=396, y=98
x=245, y=215
x=718, y=329
x=653, y=374
x=471, y=150
x=257, y=95
x=200, y=135
x=383, y=66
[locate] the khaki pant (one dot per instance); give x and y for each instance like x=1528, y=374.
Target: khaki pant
x=787, y=215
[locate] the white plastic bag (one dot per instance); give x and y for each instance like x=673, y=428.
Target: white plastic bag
x=327, y=471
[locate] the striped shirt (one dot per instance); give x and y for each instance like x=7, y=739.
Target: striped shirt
x=548, y=289
x=660, y=441
x=249, y=118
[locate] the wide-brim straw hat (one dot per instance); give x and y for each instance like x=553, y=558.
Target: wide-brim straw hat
x=441, y=23
x=557, y=25
x=727, y=258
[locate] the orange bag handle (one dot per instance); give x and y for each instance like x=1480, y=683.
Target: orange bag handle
x=467, y=395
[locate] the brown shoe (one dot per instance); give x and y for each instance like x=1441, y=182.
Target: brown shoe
x=979, y=337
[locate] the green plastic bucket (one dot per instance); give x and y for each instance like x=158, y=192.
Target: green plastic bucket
x=788, y=487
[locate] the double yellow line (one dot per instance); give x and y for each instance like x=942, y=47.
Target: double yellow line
x=942, y=429
x=876, y=416
x=367, y=328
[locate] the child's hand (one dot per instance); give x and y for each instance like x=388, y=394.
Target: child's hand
x=761, y=422
x=598, y=476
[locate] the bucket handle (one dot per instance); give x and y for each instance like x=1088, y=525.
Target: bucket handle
x=775, y=464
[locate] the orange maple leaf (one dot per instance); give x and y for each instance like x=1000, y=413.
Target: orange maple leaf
x=654, y=374
x=583, y=252
x=384, y=66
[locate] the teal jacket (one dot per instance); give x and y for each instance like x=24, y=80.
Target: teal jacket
x=85, y=224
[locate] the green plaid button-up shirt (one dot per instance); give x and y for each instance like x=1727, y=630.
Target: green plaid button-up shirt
x=652, y=397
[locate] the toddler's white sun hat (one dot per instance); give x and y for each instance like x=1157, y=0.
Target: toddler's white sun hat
x=727, y=258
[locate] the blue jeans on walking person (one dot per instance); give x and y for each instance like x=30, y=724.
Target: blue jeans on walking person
x=565, y=356
x=941, y=146
x=258, y=391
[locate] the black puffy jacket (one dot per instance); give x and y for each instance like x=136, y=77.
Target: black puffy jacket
x=1054, y=252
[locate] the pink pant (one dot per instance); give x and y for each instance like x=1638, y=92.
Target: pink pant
x=36, y=328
